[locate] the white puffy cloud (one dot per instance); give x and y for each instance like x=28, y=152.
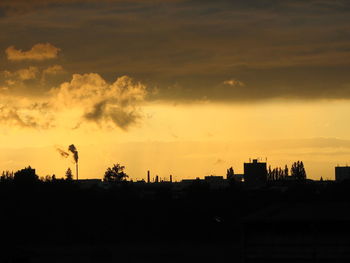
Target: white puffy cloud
x=87, y=98
x=40, y=51
x=103, y=102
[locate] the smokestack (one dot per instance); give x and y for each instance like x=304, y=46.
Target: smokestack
x=171, y=178
x=76, y=170
x=74, y=151
x=157, y=179
x=148, y=177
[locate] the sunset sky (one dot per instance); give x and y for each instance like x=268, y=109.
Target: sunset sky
x=181, y=87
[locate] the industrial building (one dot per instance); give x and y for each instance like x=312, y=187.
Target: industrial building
x=342, y=173
x=255, y=173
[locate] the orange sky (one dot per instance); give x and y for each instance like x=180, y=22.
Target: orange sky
x=192, y=140
x=182, y=87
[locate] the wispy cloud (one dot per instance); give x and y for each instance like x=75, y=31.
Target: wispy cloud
x=234, y=83
x=26, y=115
x=40, y=51
x=21, y=74
x=53, y=70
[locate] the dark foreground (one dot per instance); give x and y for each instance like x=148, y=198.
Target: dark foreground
x=148, y=252
x=282, y=222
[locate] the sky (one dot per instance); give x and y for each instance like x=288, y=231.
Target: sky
x=182, y=87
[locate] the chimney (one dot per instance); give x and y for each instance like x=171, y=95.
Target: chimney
x=157, y=179
x=148, y=177
x=171, y=178
x=76, y=169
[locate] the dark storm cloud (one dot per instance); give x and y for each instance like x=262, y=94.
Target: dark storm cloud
x=189, y=48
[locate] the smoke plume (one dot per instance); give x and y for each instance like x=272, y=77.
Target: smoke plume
x=62, y=153
x=74, y=151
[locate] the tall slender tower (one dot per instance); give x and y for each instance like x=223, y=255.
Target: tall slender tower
x=76, y=169
x=74, y=151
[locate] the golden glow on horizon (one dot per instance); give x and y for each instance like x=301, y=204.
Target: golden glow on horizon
x=190, y=140
x=110, y=93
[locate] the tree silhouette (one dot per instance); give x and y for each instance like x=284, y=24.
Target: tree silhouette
x=46, y=179
x=298, y=171
x=286, y=171
x=26, y=176
x=277, y=173
x=270, y=174
x=6, y=176
x=69, y=175
x=115, y=174
x=230, y=173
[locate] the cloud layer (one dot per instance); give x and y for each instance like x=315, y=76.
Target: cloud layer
x=234, y=83
x=187, y=48
x=117, y=104
x=41, y=51
x=95, y=99
x=23, y=113
x=21, y=74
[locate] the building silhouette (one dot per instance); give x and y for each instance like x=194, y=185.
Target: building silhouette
x=148, y=176
x=255, y=173
x=342, y=173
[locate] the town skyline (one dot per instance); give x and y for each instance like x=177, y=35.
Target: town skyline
x=279, y=172
x=125, y=154
x=175, y=131
x=180, y=87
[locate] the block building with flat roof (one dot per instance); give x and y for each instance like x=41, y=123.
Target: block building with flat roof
x=255, y=173
x=342, y=173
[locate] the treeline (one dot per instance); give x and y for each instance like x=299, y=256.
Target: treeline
x=28, y=175
x=297, y=172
